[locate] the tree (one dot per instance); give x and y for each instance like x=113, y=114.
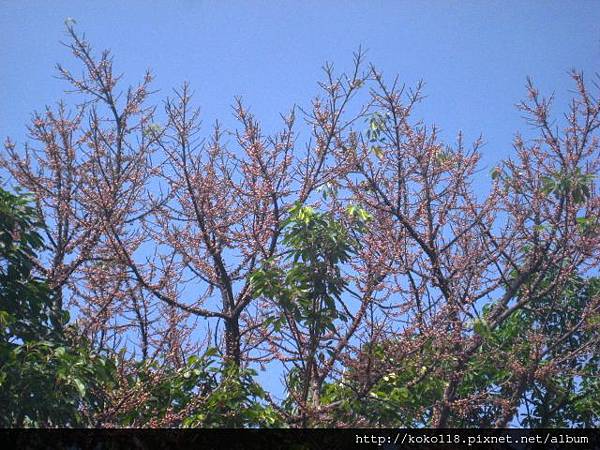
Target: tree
x=361, y=260
x=50, y=377
x=201, y=393
x=307, y=296
x=47, y=375
x=538, y=369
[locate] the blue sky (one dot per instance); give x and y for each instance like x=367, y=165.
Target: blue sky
x=473, y=56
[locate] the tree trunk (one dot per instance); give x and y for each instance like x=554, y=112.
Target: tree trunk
x=232, y=341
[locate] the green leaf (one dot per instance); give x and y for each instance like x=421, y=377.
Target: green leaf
x=80, y=386
x=482, y=328
x=376, y=149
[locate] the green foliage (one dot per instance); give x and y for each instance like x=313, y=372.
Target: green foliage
x=565, y=397
x=47, y=384
x=50, y=377
x=574, y=185
x=238, y=401
x=402, y=392
x=569, y=396
x=202, y=393
x=395, y=397
x=377, y=125
x=47, y=377
x=376, y=132
x=308, y=287
x=25, y=301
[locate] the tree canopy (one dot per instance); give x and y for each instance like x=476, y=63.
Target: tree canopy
x=153, y=271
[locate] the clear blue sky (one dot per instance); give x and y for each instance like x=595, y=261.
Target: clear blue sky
x=473, y=56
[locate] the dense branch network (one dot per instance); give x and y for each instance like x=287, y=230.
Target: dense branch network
x=155, y=231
